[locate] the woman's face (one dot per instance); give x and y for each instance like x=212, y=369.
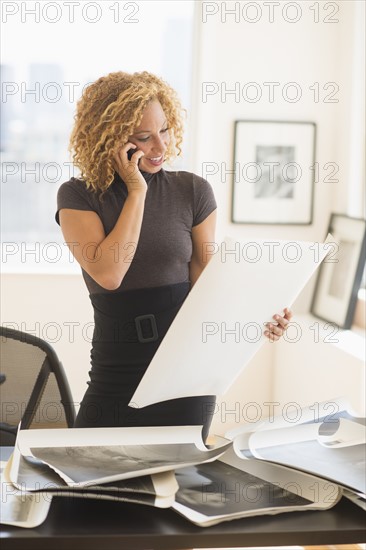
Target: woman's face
x=152, y=137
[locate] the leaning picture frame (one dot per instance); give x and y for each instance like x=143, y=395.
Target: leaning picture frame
x=273, y=172
x=339, y=276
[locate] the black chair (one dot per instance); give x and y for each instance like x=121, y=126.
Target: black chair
x=34, y=391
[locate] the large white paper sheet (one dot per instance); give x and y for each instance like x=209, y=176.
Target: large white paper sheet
x=220, y=325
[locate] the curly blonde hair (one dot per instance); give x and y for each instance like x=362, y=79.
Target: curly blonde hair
x=107, y=114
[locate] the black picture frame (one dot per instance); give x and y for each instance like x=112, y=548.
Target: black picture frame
x=262, y=191
x=339, y=278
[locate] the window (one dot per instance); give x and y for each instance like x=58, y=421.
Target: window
x=50, y=51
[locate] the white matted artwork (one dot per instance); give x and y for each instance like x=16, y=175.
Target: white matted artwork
x=340, y=275
x=274, y=167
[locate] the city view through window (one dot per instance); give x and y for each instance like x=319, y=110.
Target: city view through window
x=40, y=87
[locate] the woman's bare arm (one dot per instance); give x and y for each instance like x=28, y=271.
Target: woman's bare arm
x=203, y=236
x=107, y=259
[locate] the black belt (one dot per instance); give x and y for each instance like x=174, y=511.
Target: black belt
x=141, y=315
x=147, y=324
x=143, y=329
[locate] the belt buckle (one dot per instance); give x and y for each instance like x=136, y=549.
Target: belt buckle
x=154, y=328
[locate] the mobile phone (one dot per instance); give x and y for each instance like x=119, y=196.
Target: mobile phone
x=130, y=152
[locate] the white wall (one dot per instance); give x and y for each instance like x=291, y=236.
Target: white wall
x=323, y=365
x=350, y=196
x=304, y=52
x=247, y=399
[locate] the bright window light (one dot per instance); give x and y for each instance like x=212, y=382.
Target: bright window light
x=50, y=51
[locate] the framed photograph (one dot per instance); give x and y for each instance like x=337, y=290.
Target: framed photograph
x=340, y=274
x=273, y=173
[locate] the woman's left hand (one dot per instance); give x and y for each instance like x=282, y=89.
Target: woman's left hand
x=276, y=329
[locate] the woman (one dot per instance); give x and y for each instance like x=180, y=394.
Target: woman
x=137, y=232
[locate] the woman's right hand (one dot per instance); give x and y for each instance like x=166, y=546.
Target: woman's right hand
x=128, y=169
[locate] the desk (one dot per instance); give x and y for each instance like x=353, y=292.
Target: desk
x=84, y=524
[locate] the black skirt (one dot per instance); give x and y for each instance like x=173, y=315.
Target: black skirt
x=129, y=327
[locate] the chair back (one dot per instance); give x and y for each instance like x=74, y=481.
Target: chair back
x=35, y=391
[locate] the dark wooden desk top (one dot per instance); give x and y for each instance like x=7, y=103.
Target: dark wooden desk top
x=82, y=524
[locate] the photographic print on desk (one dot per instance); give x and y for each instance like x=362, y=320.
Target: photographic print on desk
x=340, y=274
x=274, y=168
